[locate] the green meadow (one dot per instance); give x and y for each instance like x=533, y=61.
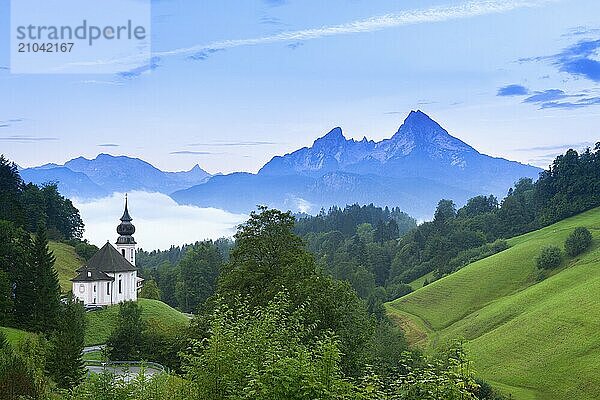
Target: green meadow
x=531, y=334
x=101, y=323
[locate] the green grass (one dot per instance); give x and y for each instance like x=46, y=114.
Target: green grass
x=534, y=339
x=418, y=283
x=67, y=261
x=101, y=323
x=15, y=336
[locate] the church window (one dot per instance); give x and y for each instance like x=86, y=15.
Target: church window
x=123, y=252
x=108, y=288
x=81, y=288
x=94, y=288
x=120, y=286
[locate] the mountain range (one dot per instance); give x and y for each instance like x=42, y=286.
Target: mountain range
x=413, y=169
x=106, y=174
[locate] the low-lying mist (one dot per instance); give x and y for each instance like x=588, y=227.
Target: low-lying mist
x=159, y=221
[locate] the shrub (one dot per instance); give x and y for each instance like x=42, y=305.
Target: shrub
x=578, y=241
x=550, y=257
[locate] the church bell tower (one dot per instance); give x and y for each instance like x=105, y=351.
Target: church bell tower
x=126, y=243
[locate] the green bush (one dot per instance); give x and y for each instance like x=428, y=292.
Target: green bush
x=578, y=241
x=550, y=257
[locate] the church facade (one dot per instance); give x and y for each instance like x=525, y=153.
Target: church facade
x=110, y=276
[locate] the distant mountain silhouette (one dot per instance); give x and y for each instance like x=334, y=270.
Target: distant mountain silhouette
x=415, y=168
x=106, y=174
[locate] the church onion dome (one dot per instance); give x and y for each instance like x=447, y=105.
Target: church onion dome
x=125, y=228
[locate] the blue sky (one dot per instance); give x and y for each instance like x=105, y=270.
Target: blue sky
x=233, y=83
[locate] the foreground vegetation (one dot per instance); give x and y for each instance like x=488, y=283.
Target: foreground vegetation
x=533, y=332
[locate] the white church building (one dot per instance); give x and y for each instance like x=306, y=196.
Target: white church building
x=110, y=276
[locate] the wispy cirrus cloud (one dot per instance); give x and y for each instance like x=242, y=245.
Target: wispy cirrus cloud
x=377, y=23
x=547, y=95
x=553, y=98
x=10, y=122
x=580, y=59
x=512, y=90
x=464, y=10
x=269, y=20
x=152, y=64
x=565, y=146
x=26, y=139
x=108, y=145
x=559, y=99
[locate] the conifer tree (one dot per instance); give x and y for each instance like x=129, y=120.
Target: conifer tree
x=24, y=276
x=11, y=187
x=46, y=286
x=65, y=363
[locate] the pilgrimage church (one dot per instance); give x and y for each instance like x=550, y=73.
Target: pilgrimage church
x=110, y=276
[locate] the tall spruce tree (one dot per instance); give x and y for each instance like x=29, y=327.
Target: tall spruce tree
x=65, y=363
x=23, y=273
x=46, y=286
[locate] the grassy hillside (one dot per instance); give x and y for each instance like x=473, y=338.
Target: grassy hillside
x=67, y=261
x=534, y=339
x=101, y=323
x=418, y=283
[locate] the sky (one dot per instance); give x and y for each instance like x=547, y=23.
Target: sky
x=233, y=83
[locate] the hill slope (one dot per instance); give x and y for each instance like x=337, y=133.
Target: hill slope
x=537, y=340
x=101, y=323
x=67, y=261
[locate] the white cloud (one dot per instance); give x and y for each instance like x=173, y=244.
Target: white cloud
x=411, y=17
x=158, y=220
x=464, y=10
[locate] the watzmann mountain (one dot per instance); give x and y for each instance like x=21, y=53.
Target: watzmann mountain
x=415, y=168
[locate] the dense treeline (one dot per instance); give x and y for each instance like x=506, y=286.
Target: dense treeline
x=379, y=266
x=184, y=276
x=28, y=205
x=387, y=223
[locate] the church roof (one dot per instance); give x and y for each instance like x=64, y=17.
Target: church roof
x=126, y=229
x=126, y=217
x=106, y=260
x=90, y=275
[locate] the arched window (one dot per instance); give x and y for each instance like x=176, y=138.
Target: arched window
x=123, y=252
